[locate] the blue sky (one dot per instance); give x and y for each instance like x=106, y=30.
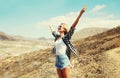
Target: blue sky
x=30, y=18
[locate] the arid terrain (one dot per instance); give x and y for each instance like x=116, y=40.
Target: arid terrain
x=98, y=58
x=16, y=48
x=83, y=33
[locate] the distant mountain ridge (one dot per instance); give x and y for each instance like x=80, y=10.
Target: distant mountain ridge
x=4, y=36
x=78, y=35
x=87, y=32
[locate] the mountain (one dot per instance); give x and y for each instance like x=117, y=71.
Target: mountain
x=22, y=38
x=98, y=57
x=4, y=36
x=87, y=32
x=42, y=38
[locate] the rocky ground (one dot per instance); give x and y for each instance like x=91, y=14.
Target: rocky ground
x=98, y=58
x=41, y=65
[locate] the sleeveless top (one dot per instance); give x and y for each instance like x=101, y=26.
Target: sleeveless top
x=60, y=47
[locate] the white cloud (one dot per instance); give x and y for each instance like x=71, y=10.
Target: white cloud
x=55, y=21
x=96, y=19
x=99, y=22
x=98, y=8
x=111, y=16
x=106, y=20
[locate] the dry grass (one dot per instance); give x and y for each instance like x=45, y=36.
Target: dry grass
x=98, y=58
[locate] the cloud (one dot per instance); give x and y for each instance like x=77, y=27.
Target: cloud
x=55, y=21
x=99, y=22
x=98, y=8
x=106, y=20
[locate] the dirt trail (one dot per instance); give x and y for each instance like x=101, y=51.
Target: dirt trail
x=114, y=55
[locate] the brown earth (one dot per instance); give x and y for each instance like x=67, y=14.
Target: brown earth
x=83, y=33
x=4, y=36
x=98, y=58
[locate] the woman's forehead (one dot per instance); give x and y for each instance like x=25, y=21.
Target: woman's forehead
x=61, y=24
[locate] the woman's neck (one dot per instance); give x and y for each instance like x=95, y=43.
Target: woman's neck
x=61, y=35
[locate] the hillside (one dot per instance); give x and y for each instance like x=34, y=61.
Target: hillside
x=100, y=42
x=4, y=36
x=96, y=60
x=83, y=33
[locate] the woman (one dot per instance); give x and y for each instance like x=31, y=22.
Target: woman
x=63, y=47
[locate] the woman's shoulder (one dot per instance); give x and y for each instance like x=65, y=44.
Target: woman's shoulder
x=57, y=37
x=70, y=33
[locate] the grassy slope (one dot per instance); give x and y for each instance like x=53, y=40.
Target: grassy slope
x=94, y=60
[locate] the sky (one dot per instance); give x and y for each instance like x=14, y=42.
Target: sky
x=30, y=18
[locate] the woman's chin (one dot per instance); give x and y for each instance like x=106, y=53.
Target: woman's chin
x=59, y=31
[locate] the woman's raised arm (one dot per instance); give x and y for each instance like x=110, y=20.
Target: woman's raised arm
x=80, y=14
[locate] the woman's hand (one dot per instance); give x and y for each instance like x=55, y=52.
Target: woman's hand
x=83, y=9
x=51, y=28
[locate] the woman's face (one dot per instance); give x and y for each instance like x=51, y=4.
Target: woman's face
x=61, y=28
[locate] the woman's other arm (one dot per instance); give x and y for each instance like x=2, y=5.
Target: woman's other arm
x=52, y=30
